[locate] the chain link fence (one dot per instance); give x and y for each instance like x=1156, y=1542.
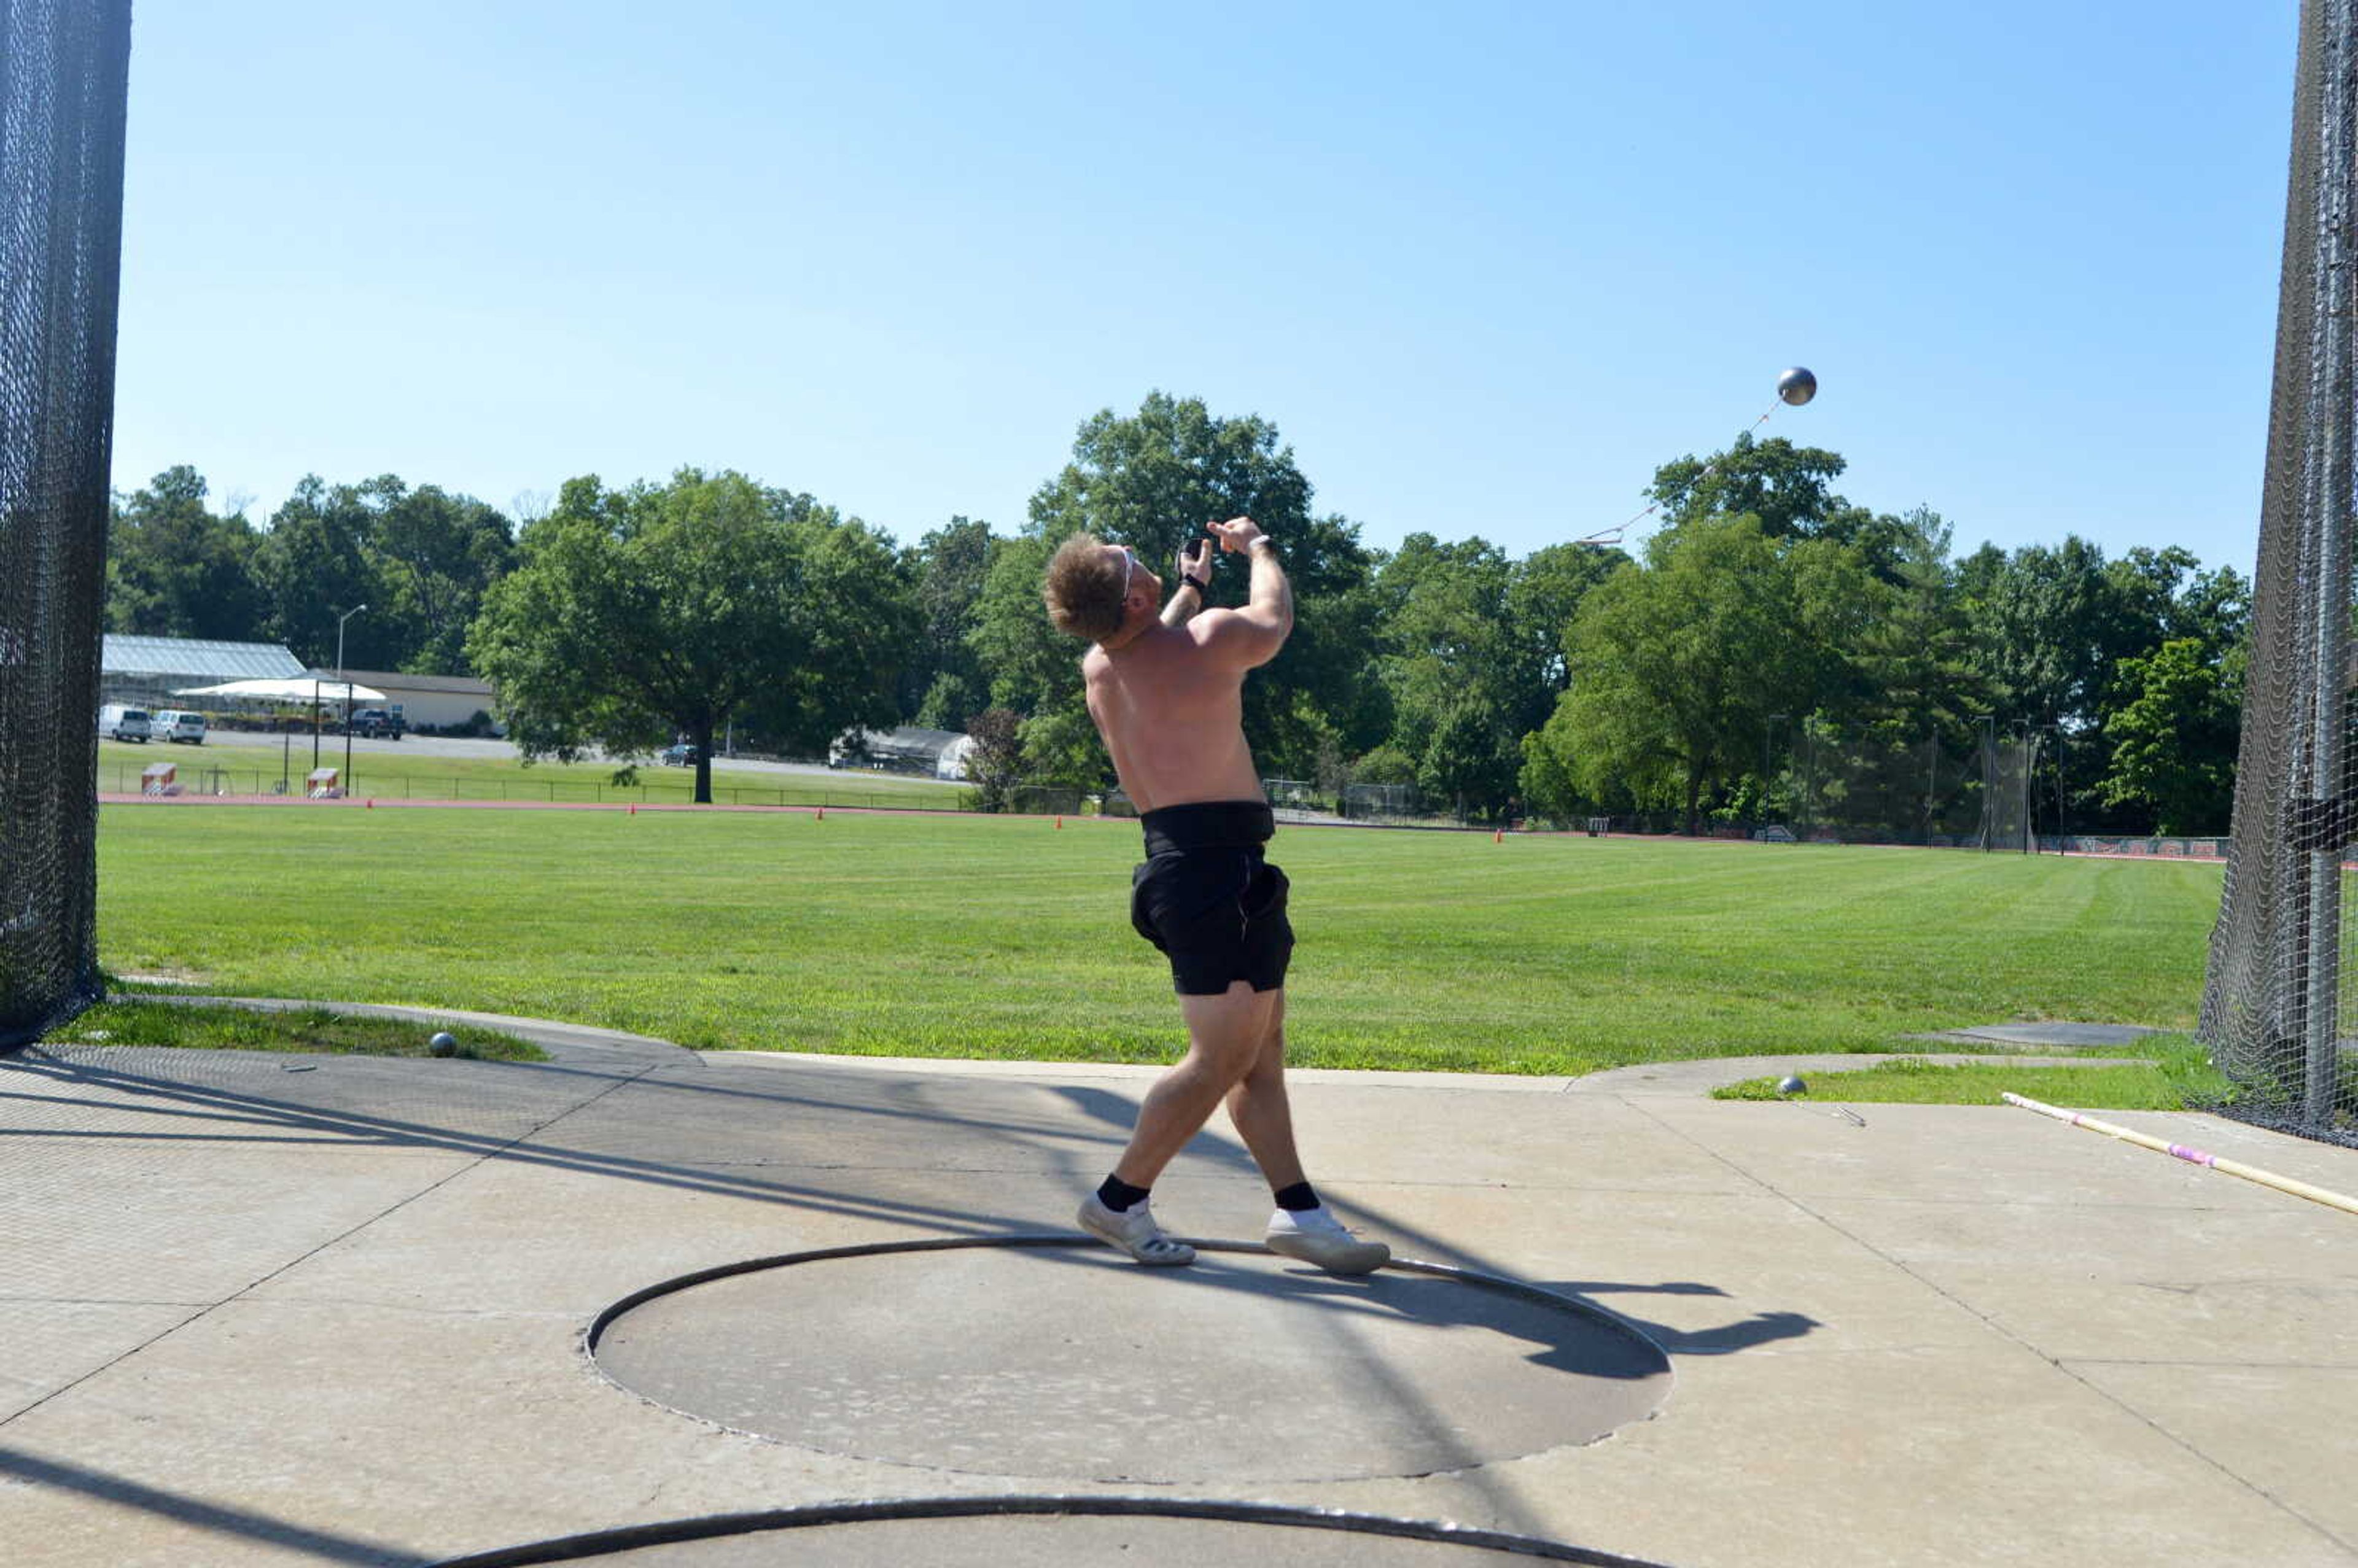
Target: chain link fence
x=63, y=76
x=2275, y=1010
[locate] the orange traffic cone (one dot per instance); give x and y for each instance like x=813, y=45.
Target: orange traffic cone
x=1060, y=825
x=821, y=814
x=634, y=808
x=1498, y=836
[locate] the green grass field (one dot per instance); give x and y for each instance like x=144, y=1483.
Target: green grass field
x=988, y=936
x=397, y=774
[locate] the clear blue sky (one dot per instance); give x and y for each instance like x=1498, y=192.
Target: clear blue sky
x=1485, y=266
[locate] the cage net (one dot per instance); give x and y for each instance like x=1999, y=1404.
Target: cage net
x=62, y=80
x=2276, y=1012
x=1834, y=789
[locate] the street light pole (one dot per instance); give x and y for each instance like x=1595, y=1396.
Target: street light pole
x=347, y=615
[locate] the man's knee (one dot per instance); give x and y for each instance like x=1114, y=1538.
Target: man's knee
x=1231, y=1027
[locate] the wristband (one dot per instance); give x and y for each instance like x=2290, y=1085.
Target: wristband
x=1191, y=582
x=1258, y=543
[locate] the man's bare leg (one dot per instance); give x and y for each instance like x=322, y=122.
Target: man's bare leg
x=1226, y=1037
x=1259, y=1107
x=1303, y=1227
x=1224, y=1033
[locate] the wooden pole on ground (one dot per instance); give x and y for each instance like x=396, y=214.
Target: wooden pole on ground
x=2192, y=1156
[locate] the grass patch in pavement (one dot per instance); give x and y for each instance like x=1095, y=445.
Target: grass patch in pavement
x=2179, y=1077
x=312, y=1030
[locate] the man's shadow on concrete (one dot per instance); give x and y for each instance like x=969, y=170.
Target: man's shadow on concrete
x=1116, y=1112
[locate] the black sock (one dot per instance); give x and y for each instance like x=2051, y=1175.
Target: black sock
x=1297, y=1197
x=1118, y=1194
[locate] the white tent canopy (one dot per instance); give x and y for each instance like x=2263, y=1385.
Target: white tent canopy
x=319, y=692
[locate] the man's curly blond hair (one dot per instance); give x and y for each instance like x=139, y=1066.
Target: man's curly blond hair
x=1082, y=589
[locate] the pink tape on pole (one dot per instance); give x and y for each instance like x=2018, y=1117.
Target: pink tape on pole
x=2197, y=1155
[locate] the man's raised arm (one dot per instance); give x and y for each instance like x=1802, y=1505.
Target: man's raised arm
x=1259, y=629
x=1194, y=579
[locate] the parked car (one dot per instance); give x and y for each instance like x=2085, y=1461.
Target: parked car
x=118, y=723
x=177, y=724
x=377, y=724
x=681, y=755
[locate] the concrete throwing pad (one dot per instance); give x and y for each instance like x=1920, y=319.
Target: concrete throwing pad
x=1047, y=1356
x=1045, y=1532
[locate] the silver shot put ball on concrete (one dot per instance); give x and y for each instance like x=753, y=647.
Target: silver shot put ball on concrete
x=1797, y=386
x=443, y=1045
x=1792, y=1085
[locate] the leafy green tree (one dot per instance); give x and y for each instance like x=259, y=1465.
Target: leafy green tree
x=314, y=564
x=1151, y=481
x=1674, y=664
x=1786, y=487
x=943, y=682
x=1031, y=668
x=2173, y=745
x=1472, y=657
x=177, y=570
x=654, y=611
x=1448, y=662
x=420, y=559
x=995, y=765
x=437, y=554
x=2046, y=630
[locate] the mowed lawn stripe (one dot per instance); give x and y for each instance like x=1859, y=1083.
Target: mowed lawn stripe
x=1010, y=938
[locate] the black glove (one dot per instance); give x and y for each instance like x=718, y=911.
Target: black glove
x=1196, y=566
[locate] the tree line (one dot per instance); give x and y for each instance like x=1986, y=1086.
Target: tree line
x=1571, y=681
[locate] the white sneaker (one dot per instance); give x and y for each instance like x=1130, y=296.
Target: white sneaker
x=1315, y=1236
x=1134, y=1231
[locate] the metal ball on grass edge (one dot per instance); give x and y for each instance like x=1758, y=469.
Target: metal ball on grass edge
x=443, y=1044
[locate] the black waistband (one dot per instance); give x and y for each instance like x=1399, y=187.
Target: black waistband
x=1207, y=824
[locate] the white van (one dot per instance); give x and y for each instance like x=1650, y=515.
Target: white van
x=118, y=722
x=177, y=724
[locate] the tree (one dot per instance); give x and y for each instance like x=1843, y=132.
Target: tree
x=996, y=763
x=1151, y=481
x=313, y=565
x=2046, y=632
x=1783, y=485
x=437, y=554
x=2174, y=743
x=1674, y=664
x=638, y=614
x=175, y=569
x=420, y=559
x=943, y=682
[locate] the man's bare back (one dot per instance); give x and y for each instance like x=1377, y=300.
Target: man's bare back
x=1168, y=693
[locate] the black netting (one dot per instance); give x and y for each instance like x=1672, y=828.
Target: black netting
x=63, y=68
x=2275, y=1007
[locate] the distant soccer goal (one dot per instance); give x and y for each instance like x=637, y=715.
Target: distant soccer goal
x=1381, y=803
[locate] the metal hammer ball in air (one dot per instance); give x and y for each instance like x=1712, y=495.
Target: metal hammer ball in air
x=1797, y=386
x=443, y=1045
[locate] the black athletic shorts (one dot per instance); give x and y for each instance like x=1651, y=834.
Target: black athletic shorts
x=1208, y=897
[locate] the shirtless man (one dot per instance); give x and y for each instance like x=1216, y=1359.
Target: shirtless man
x=1166, y=688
